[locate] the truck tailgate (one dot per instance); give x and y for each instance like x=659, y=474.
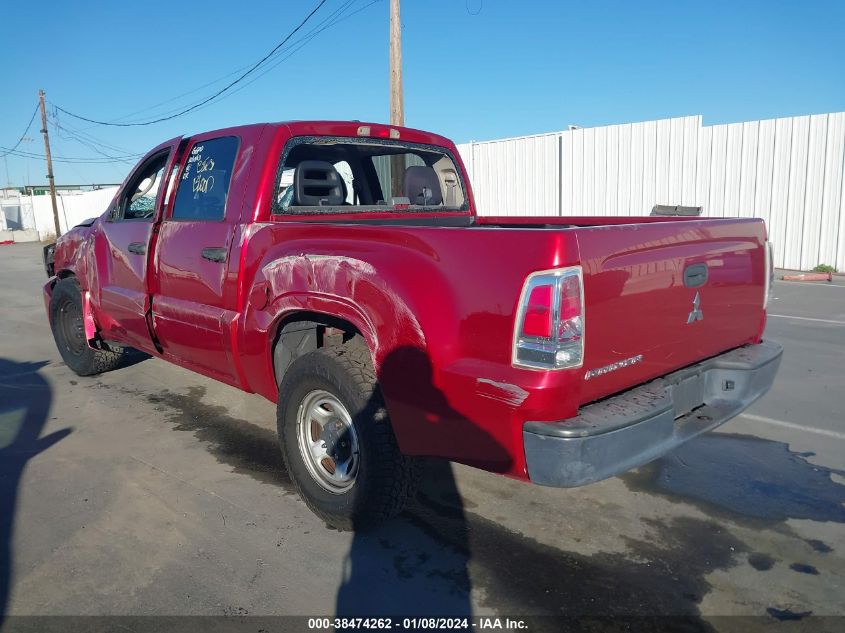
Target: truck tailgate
x=660, y=296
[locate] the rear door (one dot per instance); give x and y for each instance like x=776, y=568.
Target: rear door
x=194, y=298
x=121, y=247
x=663, y=295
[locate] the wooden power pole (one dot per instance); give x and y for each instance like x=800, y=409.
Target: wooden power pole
x=49, y=163
x=397, y=107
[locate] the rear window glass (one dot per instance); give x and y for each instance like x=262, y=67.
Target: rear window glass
x=204, y=185
x=345, y=175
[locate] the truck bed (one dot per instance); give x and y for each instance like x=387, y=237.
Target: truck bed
x=454, y=299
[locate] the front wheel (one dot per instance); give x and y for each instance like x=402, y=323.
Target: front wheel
x=66, y=321
x=337, y=441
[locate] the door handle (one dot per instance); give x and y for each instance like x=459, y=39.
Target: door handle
x=139, y=248
x=214, y=254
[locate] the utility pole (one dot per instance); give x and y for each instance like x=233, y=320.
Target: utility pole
x=397, y=107
x=49, y=163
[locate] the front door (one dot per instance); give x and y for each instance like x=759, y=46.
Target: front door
x=121, y=248
x=194, y=300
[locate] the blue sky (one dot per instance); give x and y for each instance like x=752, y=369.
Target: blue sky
x=474, y=69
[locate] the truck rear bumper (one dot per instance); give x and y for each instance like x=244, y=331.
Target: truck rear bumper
x=632, y=428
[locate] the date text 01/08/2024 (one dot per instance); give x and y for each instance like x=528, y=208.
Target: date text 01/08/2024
x=417, y=623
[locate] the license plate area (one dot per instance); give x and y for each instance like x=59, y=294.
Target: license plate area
x=688, y=394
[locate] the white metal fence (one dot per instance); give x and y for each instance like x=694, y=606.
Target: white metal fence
x=787, y=171
x=36, y=212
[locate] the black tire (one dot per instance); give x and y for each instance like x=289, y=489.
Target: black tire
x=69, y=332
x=385, y=478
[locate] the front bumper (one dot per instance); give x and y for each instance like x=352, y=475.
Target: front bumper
x=49, y=256
x=47, y=294
x=632, y=428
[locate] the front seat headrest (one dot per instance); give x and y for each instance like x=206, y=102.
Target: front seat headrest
x=317, y=184
x=422, y=186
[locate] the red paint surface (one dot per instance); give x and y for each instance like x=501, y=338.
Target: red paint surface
x=436, y=305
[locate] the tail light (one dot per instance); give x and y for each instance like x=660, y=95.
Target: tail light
x=549, y=327
x=770, y=275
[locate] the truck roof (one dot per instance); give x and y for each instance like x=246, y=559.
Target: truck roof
x=345, y=128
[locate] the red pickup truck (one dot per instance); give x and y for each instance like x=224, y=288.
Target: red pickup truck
x=340, y=270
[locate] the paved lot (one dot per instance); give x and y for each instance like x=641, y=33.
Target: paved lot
x=151, y=490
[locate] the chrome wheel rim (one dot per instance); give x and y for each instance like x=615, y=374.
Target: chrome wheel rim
x=327, y=441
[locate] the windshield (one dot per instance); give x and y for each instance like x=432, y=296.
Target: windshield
x=343, y=175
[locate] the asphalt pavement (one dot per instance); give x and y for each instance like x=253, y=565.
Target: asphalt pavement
x=151, y=490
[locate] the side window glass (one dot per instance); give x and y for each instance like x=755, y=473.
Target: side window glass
x=142, y=203
x=139, y=199
x=345, y=170
x=284, y=198
x=204, y=185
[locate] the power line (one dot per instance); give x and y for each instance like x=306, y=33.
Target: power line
x=297, y=45
x=108, y=152
x=66, y=159
x=336, y=17
x=87, y=136
x=331, y=20
x=117, y=167
x=474, y=13
x=215, y=95
x=94, y=145
x=23, y=136
x=82, y=178
x=184, y=94
x=96, y=150
x=105, y=158
x=305, y=40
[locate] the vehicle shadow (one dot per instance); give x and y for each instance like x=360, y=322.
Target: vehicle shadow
x=446, y=556
x=131, y=356
x=400, y=568
x=25, y=398
x=438, y=556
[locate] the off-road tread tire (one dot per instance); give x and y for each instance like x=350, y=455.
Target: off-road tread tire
x=91, y=361
x=386, y=478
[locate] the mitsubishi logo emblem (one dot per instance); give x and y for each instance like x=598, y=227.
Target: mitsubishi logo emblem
x=696, y=314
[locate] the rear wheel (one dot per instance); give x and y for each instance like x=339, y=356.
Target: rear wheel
x=337, y=441
x=66, y=320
